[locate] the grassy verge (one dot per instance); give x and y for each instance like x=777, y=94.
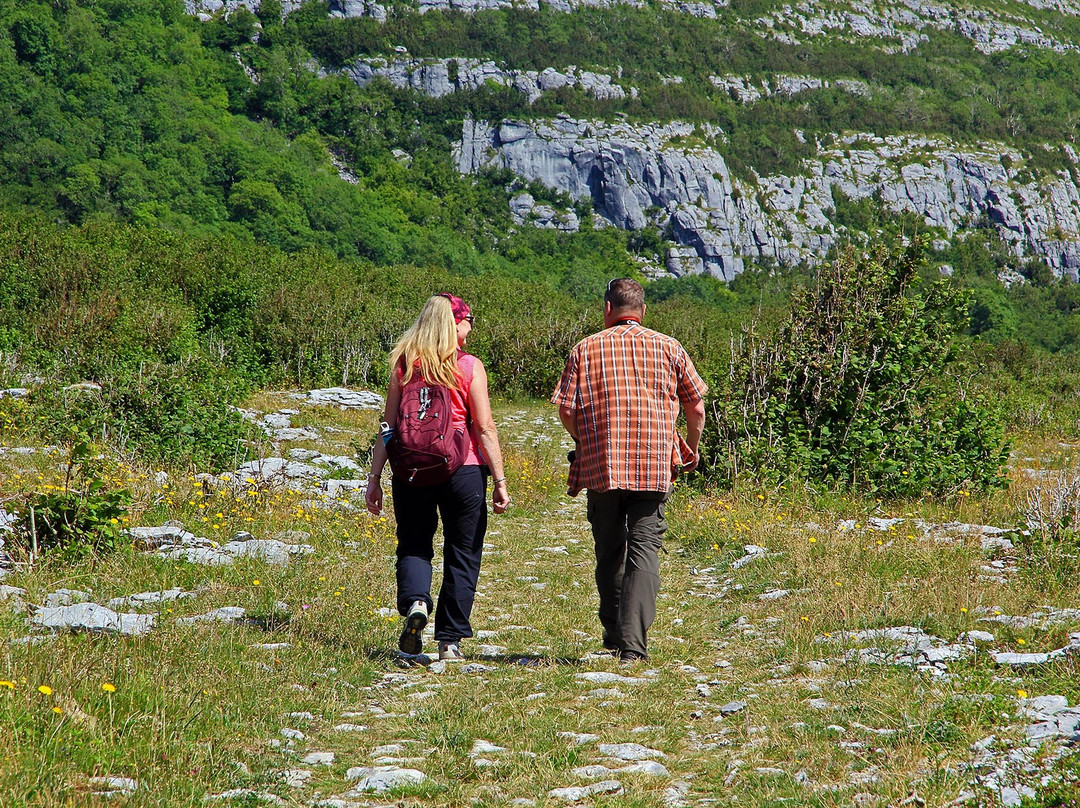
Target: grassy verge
x=194, y=710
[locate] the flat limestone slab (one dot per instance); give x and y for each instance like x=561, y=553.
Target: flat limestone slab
x=91, y=617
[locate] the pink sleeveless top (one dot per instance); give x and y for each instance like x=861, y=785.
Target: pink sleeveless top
x=460, y=415
x=466, y=364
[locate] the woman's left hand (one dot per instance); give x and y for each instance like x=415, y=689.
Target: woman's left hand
x=500, y=497
x=374, y=495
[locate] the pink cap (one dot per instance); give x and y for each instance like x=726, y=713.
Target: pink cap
x=458, y=306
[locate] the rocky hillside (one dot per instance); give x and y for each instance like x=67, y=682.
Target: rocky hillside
x=616, y=144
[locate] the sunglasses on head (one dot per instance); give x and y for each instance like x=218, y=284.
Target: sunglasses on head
x=471, y=318
x=612, y=283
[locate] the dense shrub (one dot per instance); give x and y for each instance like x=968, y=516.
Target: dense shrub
x=177, y=412
x=78, y=518
x=858, y=388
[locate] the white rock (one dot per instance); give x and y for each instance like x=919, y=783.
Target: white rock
x=605, y=678
x=629, y=751
x=91, y=617
x=774, y=594
x=579, y=793
x=249, y=794
x=482, y=747
x=382, y=778
x=226, y=614
x=319, y=759
x=114, y=785
x=295, y=778
x=732, y=707
x=580, y=738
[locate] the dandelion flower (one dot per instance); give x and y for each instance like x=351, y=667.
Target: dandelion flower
x=1021, y=642
x=45, y=690
x=57, y=710
x=108, y=687
x=963, y=610
x=256, y=582
x=1022, y=694
x=7, y=684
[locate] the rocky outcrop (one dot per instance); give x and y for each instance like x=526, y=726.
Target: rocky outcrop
x=901, y=26
x=673, y=176
x=338, y=8
x=370, y=8
x=438, y=77
x=746, y=90
x=526, y=210
x=905, y=23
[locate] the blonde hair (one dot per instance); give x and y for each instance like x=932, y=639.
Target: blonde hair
x=432, y=343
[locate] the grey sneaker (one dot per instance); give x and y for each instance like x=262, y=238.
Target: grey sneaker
x=450, y=652
x=411, y=642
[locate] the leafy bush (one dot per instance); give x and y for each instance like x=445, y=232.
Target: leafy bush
x=80, y=518
x=857, y=388
x=167, y=412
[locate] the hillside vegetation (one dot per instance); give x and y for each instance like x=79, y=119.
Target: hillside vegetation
x=870, y=595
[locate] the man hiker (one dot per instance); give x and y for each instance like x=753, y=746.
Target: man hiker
x=619, y=399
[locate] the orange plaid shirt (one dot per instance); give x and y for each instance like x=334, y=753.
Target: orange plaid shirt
x=625, y=385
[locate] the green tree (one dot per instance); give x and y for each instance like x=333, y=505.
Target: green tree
x=859, y=387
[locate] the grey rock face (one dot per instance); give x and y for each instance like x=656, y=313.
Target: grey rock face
x=645, y=176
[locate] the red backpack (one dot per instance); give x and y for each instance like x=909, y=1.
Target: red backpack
x=425, y=448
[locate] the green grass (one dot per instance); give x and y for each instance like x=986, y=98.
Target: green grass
x=198, y=709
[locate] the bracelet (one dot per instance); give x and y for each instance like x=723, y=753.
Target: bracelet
x=374, y=476
x=500, y=480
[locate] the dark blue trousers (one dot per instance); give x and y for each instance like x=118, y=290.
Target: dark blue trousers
x=461, y=502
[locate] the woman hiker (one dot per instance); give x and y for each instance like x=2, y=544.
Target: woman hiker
x=431, y=353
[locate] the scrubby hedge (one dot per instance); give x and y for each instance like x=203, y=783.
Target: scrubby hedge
x=861, y=386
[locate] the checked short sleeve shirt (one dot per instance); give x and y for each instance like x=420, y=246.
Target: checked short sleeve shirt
x=625, y=385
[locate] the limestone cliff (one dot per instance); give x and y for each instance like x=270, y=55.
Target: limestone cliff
x=673, y=176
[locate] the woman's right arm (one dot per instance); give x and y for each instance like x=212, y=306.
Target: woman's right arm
x=374, y=496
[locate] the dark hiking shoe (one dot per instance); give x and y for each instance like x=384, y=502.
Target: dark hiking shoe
x=411, y=641
x=628, y=658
